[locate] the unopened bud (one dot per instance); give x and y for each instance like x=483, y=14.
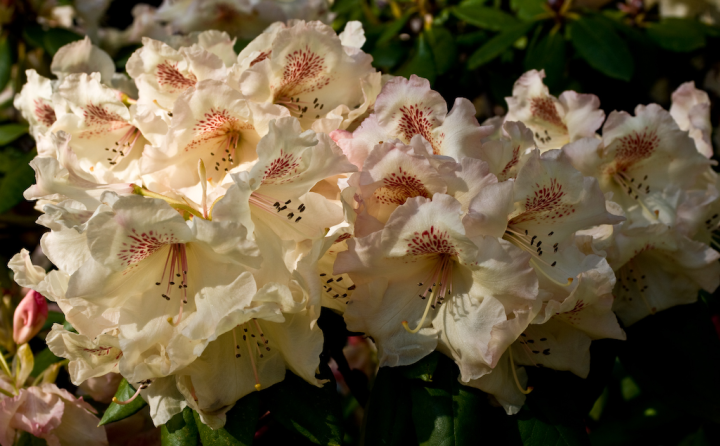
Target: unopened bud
x=29, y=317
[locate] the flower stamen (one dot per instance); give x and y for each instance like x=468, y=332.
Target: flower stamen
x=515, y=377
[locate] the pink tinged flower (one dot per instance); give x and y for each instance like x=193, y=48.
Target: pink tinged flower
x=420, y=281
x=644, y=160
x=691, y=110
x=406, y=108
x=50, y=413
x=554, y=122
x=30, y=315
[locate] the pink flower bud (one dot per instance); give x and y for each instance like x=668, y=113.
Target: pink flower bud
x=29, y=317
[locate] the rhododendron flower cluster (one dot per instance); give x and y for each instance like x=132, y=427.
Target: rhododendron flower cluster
x=203, y=210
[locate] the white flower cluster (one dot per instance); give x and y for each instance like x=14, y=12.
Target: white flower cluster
x=199, y=227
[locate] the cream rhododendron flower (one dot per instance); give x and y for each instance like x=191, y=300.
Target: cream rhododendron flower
x=89, y=358
x=405, y=108
x=552, y=202
x=161, y=277
x=657, y=268
x=252, y=356
x=554, y=121
x=560, y=335
x=306, y=67
x=421, y=281
x=52, y=414
x=277, y=188
x=643, y=160
x=102, y=133
x=691, y=110
x=35, y=103
x=61, y=178
x=162, y=73
x=506, y=154
x=211, y=122
x=82, y=57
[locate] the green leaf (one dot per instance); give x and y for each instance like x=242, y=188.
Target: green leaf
x=551, y=415
x=689, y=383
x=393, y=28
x=42, y=361
x=117, y=412
x=387, y=420
x=443, y=48
x=181, y=430
x=18, y=177
x=54, y=317
x=388, y=56
x=601, y=47
x=11, y=132
x=423, y=369
x=6, y=61
x=55, y=38
x=680, y=35
x=239, y=429
x=484, y=17
x=548, y=54
x=447, y=413
x=313, y=412
x=421, y=63
x=495, y=46
x=28, y=439
x=528, y=9
x=33, y=34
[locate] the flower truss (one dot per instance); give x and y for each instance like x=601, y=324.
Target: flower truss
x=199, y=225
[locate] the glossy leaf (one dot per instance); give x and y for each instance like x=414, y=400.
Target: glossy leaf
x=422, y=61
x=320, y=419
x=680, y=35
x=552, y=415
x=181, y=430
x=394, y=28
x=117, y=412
x=55, y=38
x=688, y=383
x=388, y=413
x=548, y=54
x=446, y=412
x=390, y=55
x=239, y=429
x=423, y=369
x=484, y=17
x=18, y=177
x=443, y=48
x=11, y=132
x=28, y=439
x=528, y=9
x=598, y=43
x=54, y=317
x=6, y=61
x=495, y=46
